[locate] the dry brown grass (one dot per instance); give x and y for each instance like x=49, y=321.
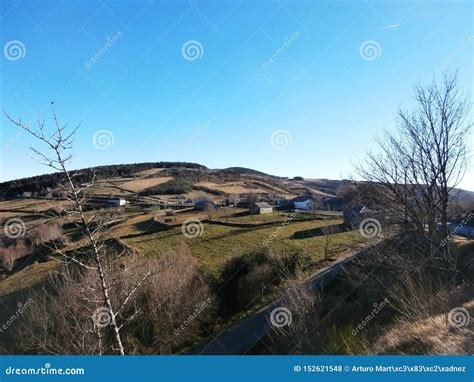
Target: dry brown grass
x=163, y=316
x=138, y=185
x=196, y=195
x=8, y=215
x=38, y=205
x=231, y=188
x=432, y=334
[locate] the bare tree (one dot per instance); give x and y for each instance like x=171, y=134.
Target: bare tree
x=415, y=168
x=160, y=317
x=232, y=199
x=299, y=316
x=209, y=209
x=252, y=197
x=59, y=142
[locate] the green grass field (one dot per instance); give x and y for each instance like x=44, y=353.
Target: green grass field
x=213, y=248
x=244, y=217
x=219, y=243
x=28, y=277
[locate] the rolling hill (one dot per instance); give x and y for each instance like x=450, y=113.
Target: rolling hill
x=171, y=178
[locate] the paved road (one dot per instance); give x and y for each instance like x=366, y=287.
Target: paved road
x=242, y=336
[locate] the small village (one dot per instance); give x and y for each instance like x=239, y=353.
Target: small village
x=202, y=190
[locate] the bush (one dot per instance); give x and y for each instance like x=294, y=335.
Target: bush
x=247, y=278
x=163, y=316
x=175, y=305
x=45, y=232
x=9, y=254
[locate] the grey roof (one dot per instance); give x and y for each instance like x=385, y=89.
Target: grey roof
x=302, y=198
x=263, y=205
x=332, y=197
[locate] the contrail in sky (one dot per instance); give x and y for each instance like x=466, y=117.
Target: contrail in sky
x=389, y=27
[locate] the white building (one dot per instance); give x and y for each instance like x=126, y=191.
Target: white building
x=306, y=205
x=117, y=202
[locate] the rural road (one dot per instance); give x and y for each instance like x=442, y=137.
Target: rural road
x=242, y=336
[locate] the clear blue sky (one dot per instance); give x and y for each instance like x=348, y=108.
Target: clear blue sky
x=220, y=108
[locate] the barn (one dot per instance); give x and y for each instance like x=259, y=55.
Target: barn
x=260, y=208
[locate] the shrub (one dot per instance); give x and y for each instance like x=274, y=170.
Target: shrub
x=163, y=316
x=247, y=278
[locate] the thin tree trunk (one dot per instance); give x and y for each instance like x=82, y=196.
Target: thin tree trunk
x=100, y=270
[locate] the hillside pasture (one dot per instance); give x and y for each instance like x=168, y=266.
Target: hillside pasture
x=151, y=171
x=106, y=189
x=231, y=187
x=217, y=243
x=138, y=185
x=243, y=216
x=136, y=225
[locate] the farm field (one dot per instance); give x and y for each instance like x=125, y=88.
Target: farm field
x=212, y=249
x=134, y=226
x=151, y=171
x=28, y=277
x=244, y=217
x=34, y=204
x=31, y=209
x=219, y=243
x=106, y=188
x=138, y=185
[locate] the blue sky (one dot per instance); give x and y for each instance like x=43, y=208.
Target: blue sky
x=286, y=87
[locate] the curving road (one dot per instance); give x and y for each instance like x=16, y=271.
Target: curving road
x=242, y=336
